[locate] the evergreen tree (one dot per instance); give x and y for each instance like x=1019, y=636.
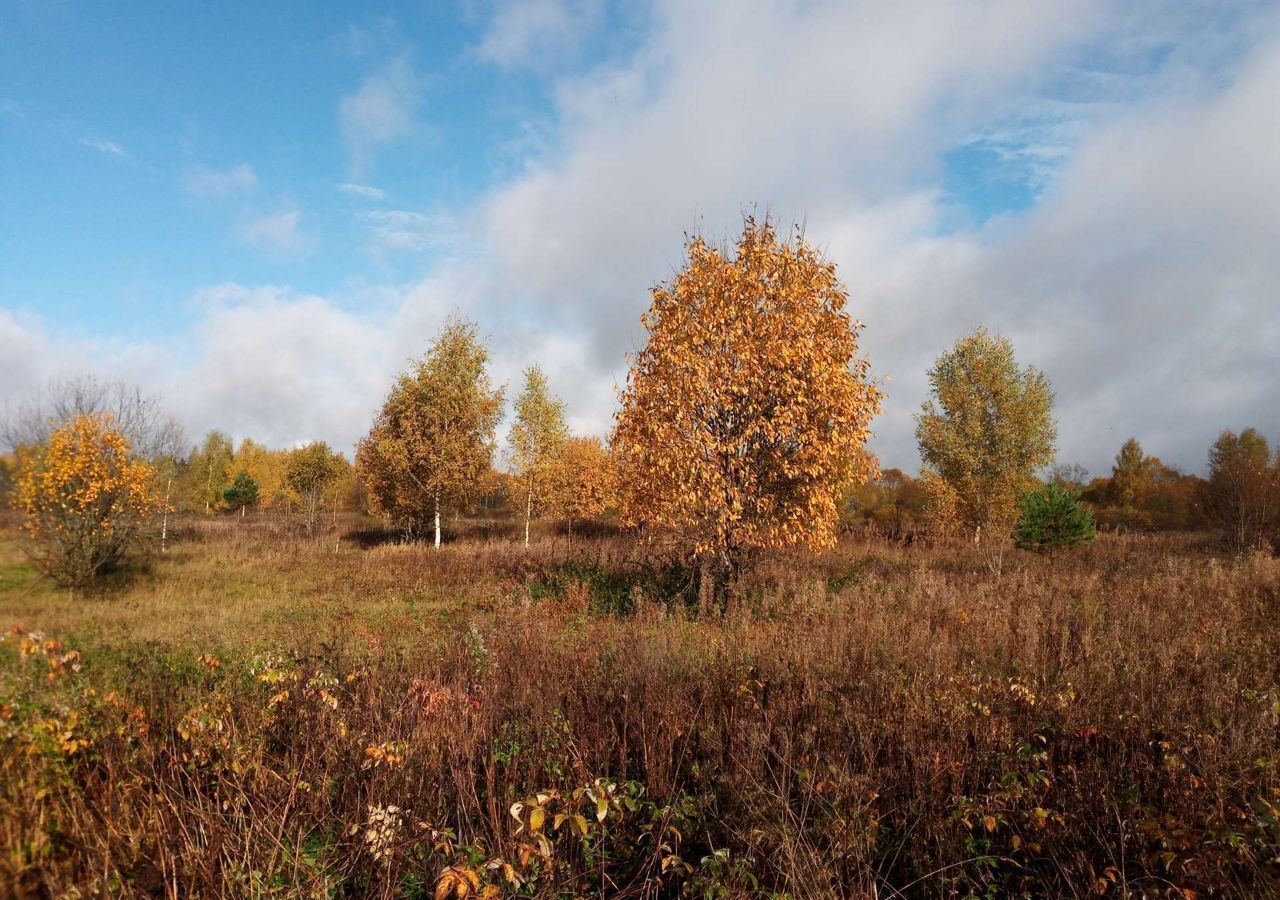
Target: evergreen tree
x=1053, y=519
x=243, y=491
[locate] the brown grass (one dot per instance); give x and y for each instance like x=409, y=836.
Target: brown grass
x=267, y=715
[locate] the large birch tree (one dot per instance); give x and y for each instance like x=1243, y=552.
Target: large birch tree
x=984, y=431
x=433, y=440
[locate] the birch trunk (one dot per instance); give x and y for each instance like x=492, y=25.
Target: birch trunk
x=528, y=514
x=164, y=519
x=437, y=521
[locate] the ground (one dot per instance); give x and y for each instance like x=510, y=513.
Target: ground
x=262, y=712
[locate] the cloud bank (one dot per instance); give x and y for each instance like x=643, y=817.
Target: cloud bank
x=1140, y=273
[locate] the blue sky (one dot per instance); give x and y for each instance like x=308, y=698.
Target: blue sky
x=113, y=117
x=262, y=210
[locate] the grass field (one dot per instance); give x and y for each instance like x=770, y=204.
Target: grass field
x=260, y=713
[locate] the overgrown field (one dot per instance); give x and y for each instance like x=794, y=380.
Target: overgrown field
x=266, y=714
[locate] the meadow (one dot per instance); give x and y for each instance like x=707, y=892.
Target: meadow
x=263, y=713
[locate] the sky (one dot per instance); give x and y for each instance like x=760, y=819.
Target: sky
x=262, y=212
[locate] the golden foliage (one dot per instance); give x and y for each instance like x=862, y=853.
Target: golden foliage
x=267, y=468
x=536, y=442
x=433, y=440
x=744, y=416
x=310, y=471
x=585, y=484
x=86, y=498
x=983, y=433
x=457, y=882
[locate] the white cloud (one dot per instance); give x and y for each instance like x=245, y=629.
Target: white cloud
x=380, y=111
x=208, y=183
x=830, y=112
x=111, y=148
x=25, y=355
x=277, y=231
x=289, y=367
x=403, y=229
x=363, y=191
x=838, y=113
x=538, y=32
x=1143, y=280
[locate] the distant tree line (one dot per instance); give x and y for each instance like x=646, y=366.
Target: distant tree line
x=742, y=427
x=1240, y=498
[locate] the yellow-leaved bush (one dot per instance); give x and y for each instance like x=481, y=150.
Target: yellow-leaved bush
x=745, y=415
x=86, y=497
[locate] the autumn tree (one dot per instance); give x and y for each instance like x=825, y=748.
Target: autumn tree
x=536, y=440
x=744, y=414
x=310, y=470
x=344, y=490
x=208, y=472
x=153, y=434
x=1242, y=493
x=1174, y=499
x=8, y=470
x=892, y=501
x=1143, y=492
x=985, y=430
x=266, y=467
x=584, y=484
x=87, y=498
x=433, y=440
x=1131, y=475
x=1070, y=476
x=242, y=493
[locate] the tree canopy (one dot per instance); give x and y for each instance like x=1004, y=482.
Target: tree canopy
x=1243, y=490
x=744, y=414
x=433, y=440
x=984, y=431
x=535, y=444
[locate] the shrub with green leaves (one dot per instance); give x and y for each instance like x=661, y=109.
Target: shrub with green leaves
x=1053, y=519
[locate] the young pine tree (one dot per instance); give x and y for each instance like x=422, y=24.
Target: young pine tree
x=243, y=492
x=1052, y=520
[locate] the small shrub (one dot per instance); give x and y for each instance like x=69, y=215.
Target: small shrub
x=87, y=499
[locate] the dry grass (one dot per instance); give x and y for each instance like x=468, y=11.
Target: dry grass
x=267, y=715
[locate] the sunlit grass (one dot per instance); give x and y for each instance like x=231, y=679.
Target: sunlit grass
x=261, y=713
